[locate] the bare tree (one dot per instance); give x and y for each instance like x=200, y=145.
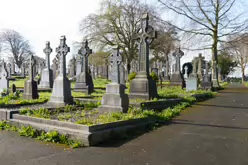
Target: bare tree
x=210, y=20
x=237, y=46
x=116, y=24
x=15, y=44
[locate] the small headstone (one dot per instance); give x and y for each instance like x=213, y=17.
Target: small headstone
x=115, y=99
x=4, y=82
x=177, y=77
x=61, y=93
x=47, y=74
x=84, y=82
x=30, y=86
x=142, y=86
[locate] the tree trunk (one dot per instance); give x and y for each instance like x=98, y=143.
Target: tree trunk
x=243, y=74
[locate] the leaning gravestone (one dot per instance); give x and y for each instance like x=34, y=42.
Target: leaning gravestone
x=47, y=73
x=61, y=94
x=84, y=82
x=115, y=99
x=177, y=77
x=4, y=82
x=30, y=86
x=142, y=86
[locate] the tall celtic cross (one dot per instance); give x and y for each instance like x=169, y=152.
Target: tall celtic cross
x=145, y=35
x=115, y=60
x=32, y=63
x=85, y=51
x=62, y=51
x=200, y=59
x=48, y=50
x=178, y=54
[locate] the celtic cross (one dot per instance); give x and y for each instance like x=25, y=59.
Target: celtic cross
x=178, y=54
x=62, y=51
x=85, y=51
x=145, y=35
x=48, y=50
x=116, y=60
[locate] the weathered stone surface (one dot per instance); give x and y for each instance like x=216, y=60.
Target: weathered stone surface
x=47, y=73
x=142, y=85
x=61, y=94
x=177, y=77
x=84, y=82
x=191, y=84
x=30, y=86
x=115, y=99
x=4, y=82
x=206, y=82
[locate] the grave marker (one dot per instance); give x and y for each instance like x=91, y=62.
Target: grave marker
x=61, y=93
x=142, y=86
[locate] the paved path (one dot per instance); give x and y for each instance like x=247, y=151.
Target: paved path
x=214, y=132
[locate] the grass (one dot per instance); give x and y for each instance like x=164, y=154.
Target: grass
x=50, y=136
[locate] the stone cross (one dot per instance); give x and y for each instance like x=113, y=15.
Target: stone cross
x=186, y=72
x=62, y=51
x=115, y=60
x=146, y=34
x=178, y=54
x=194, y=66
x=32, y=63
x=48, y=50
x=199, y=72
x=85, y=51
x=9, y=69
x=206, y=68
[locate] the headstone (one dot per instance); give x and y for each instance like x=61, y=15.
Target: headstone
x=79, y=65
x=9, y=69
x=105, y=69
x=47, y=74
x=177, y=77
x=115, y=99
x=13, y=88
x=122, y=75
x=72, y=67
x=55, y=68
x=61, y=94
x=206, y=82
x=142, y=86
x=30, y=86
x=186, y=72
x=84, y=82
x=199, y=71
x=4, y=82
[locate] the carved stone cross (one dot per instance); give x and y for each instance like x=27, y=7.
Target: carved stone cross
x=32, y=63
x=178, y=54
x=62, y=51
x=115, y=60
x=85, y=51
x=48, y=50
x=146, y=34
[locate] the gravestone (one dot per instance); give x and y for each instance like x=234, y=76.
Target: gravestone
x=30, y=86
x=206, y=82
x=199, y=71
x=55, y=68
x=84, y=82
x=115, y=99
x=13, y=88
x=177, y=77
x=186, y=72
x=4, y=82
x=9, y=68
x=72, y=67
x=79, y=65
x=61, y=93
x=122, y=74
x=142, y=86
x=166, y=71
x=215, y=75
x=105, y=69
x=47, y=74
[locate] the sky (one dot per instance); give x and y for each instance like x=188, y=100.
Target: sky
x=46, y=20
